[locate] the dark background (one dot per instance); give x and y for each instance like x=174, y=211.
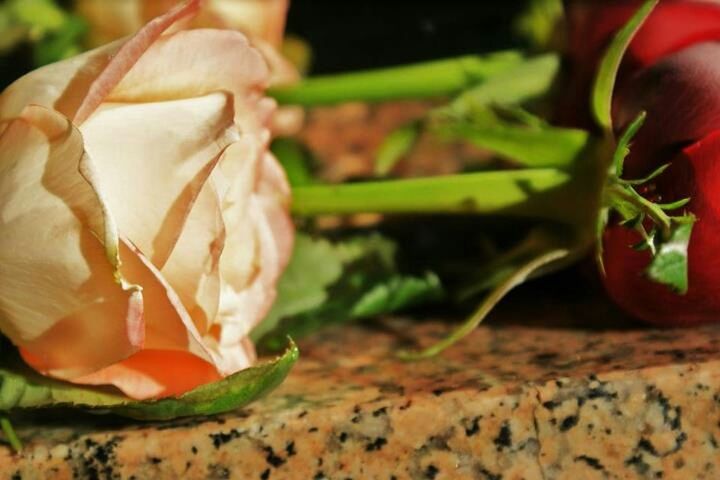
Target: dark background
x=348, y=35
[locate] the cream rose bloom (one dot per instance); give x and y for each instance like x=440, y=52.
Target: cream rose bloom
x=263, y=21
x=113, y=19
x=144, y=222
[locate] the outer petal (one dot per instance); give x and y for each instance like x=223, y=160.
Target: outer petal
x=171, y=336
x=694, y=173
x=264, y=20
x=673, y=25
x=59, y=86
x=128, y=55
x=109, y=21
x=77, y=86
x=60, y=292
x=259, y=244
x=190, y=64
x=193, y=268
x=674, y=93
x=154, y=159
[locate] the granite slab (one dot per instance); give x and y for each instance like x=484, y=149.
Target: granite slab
x=548, y=388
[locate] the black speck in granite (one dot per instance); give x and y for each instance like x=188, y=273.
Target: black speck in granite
x=218, y=472
x=155, y=460
x=343, y=437
x=312, y=429
x=438, y=391
x=551, y=405
x=592, y=462
x=473, y=427
x=379, y=412
x=98, y=460
x=393, y=388
x=645, y=445
x=431, y=472
x=220, y=439
x=544, y=358
x=290, y=449
x=638, y=463
x=569, y=422
x=319, y=476
x=271, y=458
x=194, y=450
x=488, y=475
x=16, y=476
x=376, y=444
x=504, y=438
x=265, y=475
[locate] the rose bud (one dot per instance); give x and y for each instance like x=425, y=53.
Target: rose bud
x=591, y=24
x=144, y=223
x=682, y=128
x=668, y=70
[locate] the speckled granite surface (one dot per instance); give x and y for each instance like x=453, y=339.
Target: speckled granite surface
x=540, y=392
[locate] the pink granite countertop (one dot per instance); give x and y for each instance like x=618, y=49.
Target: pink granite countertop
x=540, y=392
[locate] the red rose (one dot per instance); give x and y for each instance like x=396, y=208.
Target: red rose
x=671, y=71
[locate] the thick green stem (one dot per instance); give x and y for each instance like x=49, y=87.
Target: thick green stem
x=545, y=193
x=430, y=79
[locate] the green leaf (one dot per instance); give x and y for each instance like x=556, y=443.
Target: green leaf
x=60, y=43
x=370, y=285
x=601, y=100
x=24, y=389
x=314, y=265
x=395, y=146
x=539, y=22
x=670, y=264
x=518, y=274
x=528, y=80
x=40, y=14
x=532, y=147
x=398, y=293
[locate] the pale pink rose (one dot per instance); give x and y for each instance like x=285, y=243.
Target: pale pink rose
x=144, y=222
x=263, y=21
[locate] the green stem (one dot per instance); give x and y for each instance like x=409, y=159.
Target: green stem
x=546, y=193
x=10, y=434
x=423, y=80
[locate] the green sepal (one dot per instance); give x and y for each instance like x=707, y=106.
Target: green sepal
x=601, y=99
x=24, y=389
x=669, y=266
x=623, y=148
